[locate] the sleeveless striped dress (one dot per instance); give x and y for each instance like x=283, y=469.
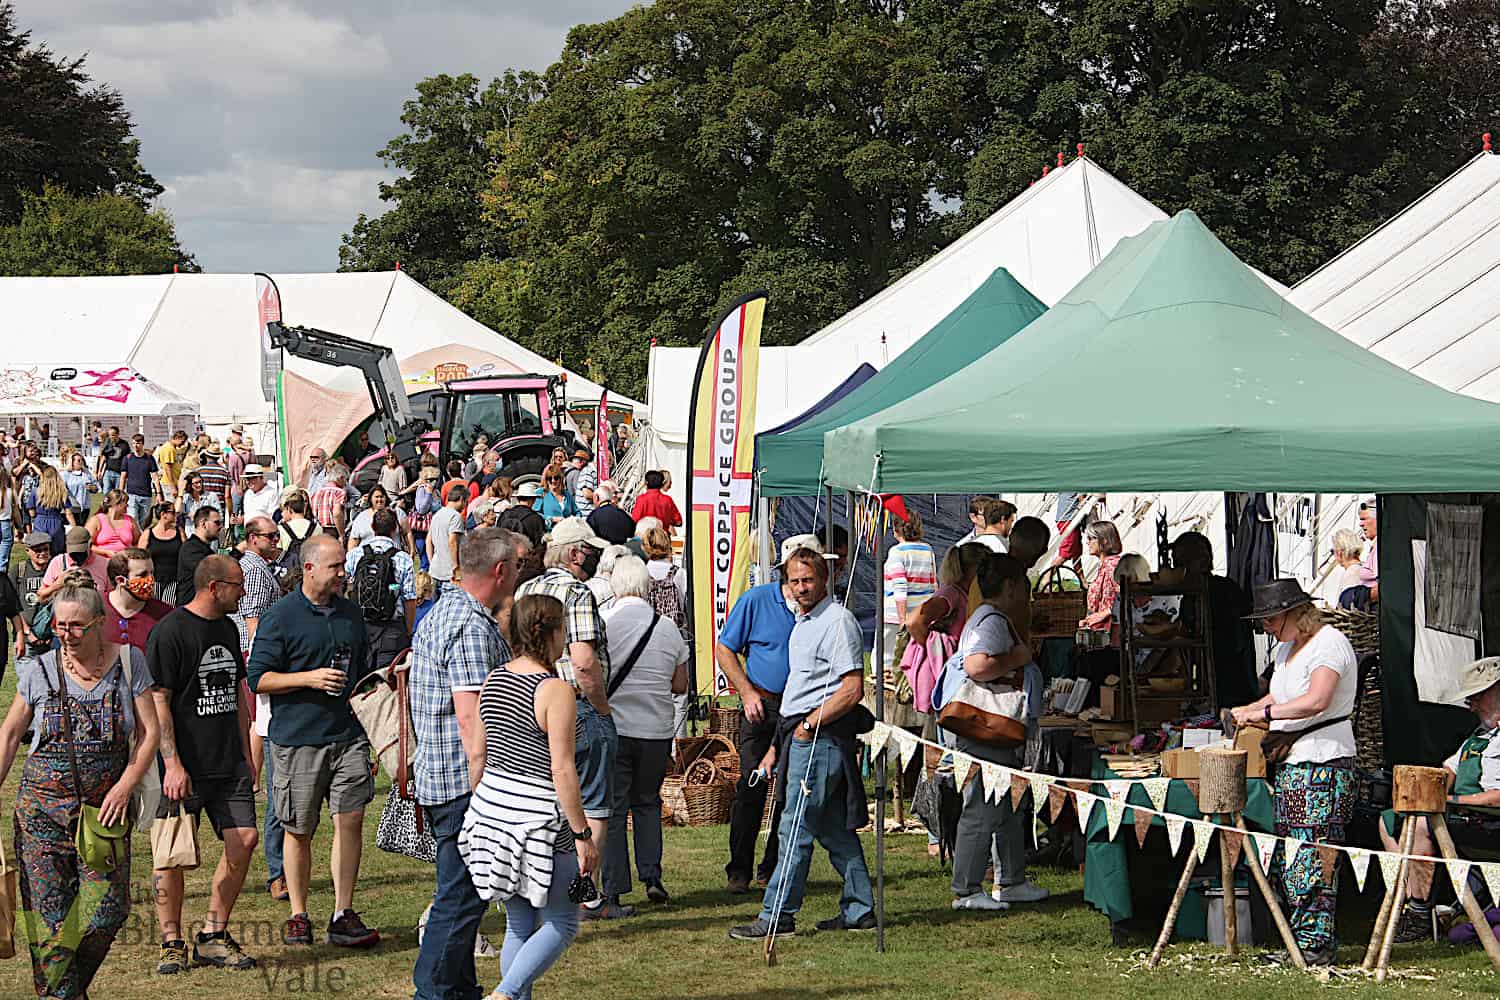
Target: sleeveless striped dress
x=514, y=825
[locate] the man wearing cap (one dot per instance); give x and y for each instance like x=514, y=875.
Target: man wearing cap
x=27, y=577
x=79, y=555
x=758, y=628
x=214, y=476
x=583, y=480
x=1473, y=780
x=260, y=499
x=572, y=556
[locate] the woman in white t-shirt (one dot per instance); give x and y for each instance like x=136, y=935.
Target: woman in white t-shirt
x=1312, y=691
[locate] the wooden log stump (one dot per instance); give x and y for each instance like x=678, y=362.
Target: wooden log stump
x=1419, y=789
x=1221, y=788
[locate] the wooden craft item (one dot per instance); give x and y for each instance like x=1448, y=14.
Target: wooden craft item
x=1283, y=926
x=1393, y=919
x=1387, y=907
x=1231, y=903
x=1222, y=780
x=1419, y=789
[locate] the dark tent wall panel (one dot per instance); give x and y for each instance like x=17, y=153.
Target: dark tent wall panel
x=1418, y=732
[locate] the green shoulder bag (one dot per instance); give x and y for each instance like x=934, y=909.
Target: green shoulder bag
x=101, y=846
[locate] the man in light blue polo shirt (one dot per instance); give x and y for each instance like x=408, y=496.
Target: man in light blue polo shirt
x=819, y=768
x=758, y=628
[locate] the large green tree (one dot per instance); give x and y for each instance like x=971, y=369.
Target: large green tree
x=60, y=233
x=435, y=224
x=57, y=127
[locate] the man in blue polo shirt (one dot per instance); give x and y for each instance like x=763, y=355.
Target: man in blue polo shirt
x=758, y=628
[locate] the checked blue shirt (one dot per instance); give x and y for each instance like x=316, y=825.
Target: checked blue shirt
x=454, y=649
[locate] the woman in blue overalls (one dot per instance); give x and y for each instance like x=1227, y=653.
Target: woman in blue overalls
x=70, y=911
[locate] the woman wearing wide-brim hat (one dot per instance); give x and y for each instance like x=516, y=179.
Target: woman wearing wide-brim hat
x=1312, y=691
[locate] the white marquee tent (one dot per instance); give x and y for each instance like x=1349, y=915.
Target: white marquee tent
x=199, y=333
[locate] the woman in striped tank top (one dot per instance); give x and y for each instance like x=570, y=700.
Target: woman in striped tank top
x=524, y=837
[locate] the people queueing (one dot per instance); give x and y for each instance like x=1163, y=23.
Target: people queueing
x=456, y=648
x=309, y=654
x=752, y=653
x=817, y=755
x=571, y=557
x=205, y=720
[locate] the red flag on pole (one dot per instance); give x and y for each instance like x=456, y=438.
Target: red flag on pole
x=895, y=505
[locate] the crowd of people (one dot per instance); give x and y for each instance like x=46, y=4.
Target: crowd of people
x=209, y=628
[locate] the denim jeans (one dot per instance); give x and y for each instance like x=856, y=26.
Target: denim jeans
x=535, y=939
x=594, y=758
x=639, y=770
x=825, y=817
x=272, y=836
x=445, y=960
x=139, y=509
x=7, y=541
x=110, y=481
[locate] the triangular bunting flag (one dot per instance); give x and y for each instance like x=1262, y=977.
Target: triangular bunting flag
x=1389, y=863
x=1328, y=856
x=989, y=774
x=1232, y=841
x=1265, y=849
x=1156, y=791
x=1290, y=847
x=1175, y=826
x=1040, y=783
x=1084, y=803
x=962, y=764
x=1192, y=784
x=1359, y=860
x=1057, y=801
x=1118, y=788
x=906, y=743
x=1203, y=832
x=1142, y=824
x=1491, y=872
x=879, y=736
x=1018, y=788
x=1114, y=811
x=1458, y=872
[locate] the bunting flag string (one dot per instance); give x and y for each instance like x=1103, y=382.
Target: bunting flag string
x=907, y=744
x=1290, y=847
x=1265, y=849
x=1389, y=863
x=1114, y=811
x=1203, y=831
x=1328, y=857
x=1175, y=826
x=1156, y=791
x=1019, y=786
x=1491, y=872
x=1458, y=872
x=1359, y=860
x=1057, y=801
x=990, y=777
x=1084, y=803
x=1118, y=788
x=878, y=737
x=1142, y=818
x=1232, y=841
x=962, y=764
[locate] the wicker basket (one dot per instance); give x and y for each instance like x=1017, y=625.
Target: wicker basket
x=1361, y=628
x=1055, y=610
x=728, y=764
x=709, y=797
x=674, y=807
x=725, y=722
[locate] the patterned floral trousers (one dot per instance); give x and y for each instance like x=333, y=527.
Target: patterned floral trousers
x=1314, y=802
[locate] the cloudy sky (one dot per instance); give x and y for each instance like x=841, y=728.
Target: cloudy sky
x=263, y=119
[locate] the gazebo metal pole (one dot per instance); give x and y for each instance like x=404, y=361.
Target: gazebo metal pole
x=880, y=758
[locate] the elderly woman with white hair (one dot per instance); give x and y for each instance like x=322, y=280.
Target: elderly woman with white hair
x=599, y=584
x=1348, y=550
x=649, y=665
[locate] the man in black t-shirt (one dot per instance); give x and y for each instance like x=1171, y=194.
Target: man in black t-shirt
x=207, y=523
x=27, y=577
x=196, y=662
x=111, y=461
x=142, y=480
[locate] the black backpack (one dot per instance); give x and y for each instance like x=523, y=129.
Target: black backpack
x=374, y=584
x=523, y=521
x=288, y=566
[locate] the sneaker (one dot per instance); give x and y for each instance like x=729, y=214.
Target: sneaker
x=1021, y=892
x=610, y=909
x=656, y=892
x=348, y=931
x=738, y=885
x=760, y=928
x=979, y=901
x=278, y=890
x=1313, y=958
x=483, y=948
x=174, y=958
x=297, y=930
x=838, y=923
x=220, y=951
x=1413, y=926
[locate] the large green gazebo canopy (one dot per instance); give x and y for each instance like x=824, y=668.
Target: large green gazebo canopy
x=1174, y=367
x=791, y=460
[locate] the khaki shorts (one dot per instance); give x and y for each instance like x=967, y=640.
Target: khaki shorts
x=306, y=777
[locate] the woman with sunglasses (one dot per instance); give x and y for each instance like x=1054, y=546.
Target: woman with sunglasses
x=163, y=539
x=195, y=496
x=556, y=502
x=98, y=693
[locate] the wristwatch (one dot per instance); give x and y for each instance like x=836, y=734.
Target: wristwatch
x=586, y=834
x=807, y=727
x=1268, y=712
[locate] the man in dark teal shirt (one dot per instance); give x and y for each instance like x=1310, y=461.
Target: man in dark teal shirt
x=308, y=654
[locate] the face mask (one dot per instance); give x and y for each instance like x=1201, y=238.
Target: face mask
x=591, y=563
x=78, y=558
x=142, y=588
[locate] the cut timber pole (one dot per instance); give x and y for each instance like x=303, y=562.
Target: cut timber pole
x=1171, y=924
x=1421, y=790
x=1471, y=905
x=1283, y=927
x=1221, y=792
x=1393, y=919
x=1415, y=792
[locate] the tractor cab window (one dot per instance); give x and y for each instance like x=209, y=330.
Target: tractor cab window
x=498, y=415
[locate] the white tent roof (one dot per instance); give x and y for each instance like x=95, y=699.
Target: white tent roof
x=87, y=390
x=1423, y=290
x=199, y=334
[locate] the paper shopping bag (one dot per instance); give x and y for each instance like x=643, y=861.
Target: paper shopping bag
x=174, y=842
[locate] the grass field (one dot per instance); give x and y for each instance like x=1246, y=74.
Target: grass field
x=1059, y=949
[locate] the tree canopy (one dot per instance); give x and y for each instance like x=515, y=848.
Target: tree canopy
x=67, y=234
x=687, y=151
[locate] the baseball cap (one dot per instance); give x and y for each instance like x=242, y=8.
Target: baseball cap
x=528, y=491
x=36, y=539
x=79, y=540
x=572, y=530
x=791, y=545
x=1479, y=676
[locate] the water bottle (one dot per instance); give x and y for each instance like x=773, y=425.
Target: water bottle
x=343, y=657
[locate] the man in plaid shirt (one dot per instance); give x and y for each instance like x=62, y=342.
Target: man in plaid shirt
x=330, y=503
x=573, y=552
x=454, y=649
